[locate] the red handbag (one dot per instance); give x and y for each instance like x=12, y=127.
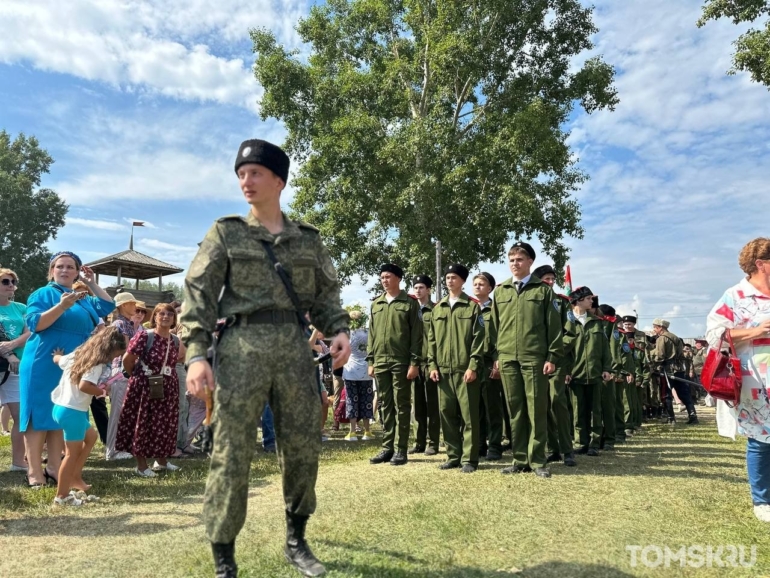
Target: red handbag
x=721, y=374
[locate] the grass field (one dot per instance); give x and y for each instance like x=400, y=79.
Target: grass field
x=665, y=488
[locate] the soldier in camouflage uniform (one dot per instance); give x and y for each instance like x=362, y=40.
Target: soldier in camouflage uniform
x=668, y=361
x=263, y=354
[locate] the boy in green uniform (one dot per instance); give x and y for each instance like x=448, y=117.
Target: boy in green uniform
x=232, y=277
x=456, y=356
x=527, y=337
x=492, y=398
x=426, y=412
x=586, y=339
x=394, y=355
x=559, y=418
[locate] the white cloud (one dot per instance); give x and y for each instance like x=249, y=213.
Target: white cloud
x=158, y=46
x=95, y=224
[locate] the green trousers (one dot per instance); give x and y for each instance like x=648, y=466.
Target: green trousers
x=608, y=411
x=559, y=419
x=491, y=411
x=527, y=391
x=588, y=413
x=288, y=382
x=395, y=398
x=638, y=406
x=459, y=406
x=621, y=405
x=426, y=412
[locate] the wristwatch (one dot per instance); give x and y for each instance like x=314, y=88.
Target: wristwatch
x=344, y=330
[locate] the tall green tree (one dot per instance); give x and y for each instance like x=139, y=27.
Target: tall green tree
x=30, y=216
x=424, y=120
x=752, y=49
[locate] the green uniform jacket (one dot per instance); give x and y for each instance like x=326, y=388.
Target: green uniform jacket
x=643, y=345
x=566, y=315
x=456, y=336
x=590, y=348
x=615, y=339
x=526, y=327
x=425, y=313
x=665, y=352
x=486, y=319
x=698, y=359
x=627, y=357
x=395, y=332
x=232, y=262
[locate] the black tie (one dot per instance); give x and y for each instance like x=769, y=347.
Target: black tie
x=517, y=284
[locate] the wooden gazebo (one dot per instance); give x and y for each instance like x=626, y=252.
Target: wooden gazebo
x=134, y=265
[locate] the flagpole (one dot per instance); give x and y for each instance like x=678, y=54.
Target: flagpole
x=131, y=242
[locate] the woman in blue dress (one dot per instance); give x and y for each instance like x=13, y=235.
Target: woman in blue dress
x=59, y=318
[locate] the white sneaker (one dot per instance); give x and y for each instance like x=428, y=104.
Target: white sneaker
x=762, y=512
x=169, y=467
x=324, y=438
x=83, y=497
x=148, y=473
x=68, y=501
x=122, y=456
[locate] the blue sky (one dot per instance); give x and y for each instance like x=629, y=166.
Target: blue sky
x=143, y=104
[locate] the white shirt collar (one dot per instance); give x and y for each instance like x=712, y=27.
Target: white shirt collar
x=525, y=280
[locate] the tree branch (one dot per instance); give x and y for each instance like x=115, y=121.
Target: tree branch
x=415, y=111
x=425, y=79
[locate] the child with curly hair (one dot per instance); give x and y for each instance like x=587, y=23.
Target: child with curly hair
x=72, y=398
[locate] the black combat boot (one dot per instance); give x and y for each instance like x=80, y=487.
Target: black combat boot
x=224, y=560
x=297, y=551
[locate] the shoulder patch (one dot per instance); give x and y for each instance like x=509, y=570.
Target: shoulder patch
x=616, y=335
x=304, y=225
x=481, y=320
x=571, y=316
x=231, y=218
x=556, y=305
x=626, y=348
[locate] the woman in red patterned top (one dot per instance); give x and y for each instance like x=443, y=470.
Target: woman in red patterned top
x=148, y=423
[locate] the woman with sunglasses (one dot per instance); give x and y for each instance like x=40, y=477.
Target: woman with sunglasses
x=13, y=337
x=59, y=318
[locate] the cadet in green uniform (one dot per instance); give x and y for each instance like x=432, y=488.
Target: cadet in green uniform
x=232, y=277
x=619, y=376
x=394, y=355
x=527, y=337
x=559, y=418
x=492, y=398
x=585, y=338
x=456, y=356
x=426, y=412
x=640, y=346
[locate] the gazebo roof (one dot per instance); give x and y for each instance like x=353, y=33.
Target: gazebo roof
x=133, y=264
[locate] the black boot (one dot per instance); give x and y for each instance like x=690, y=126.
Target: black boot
x=297, y=551
x=224, y=560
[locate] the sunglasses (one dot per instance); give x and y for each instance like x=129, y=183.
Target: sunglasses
x=141, y=310
x=165, y=314
x=8, y=282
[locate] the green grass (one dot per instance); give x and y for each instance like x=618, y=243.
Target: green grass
x=665, y=488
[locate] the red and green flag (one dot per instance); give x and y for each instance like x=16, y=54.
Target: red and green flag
x=568, y=282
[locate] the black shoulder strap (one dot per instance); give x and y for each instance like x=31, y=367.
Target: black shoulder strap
x=286, y=280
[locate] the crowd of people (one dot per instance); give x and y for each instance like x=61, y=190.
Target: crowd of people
x=69, y=348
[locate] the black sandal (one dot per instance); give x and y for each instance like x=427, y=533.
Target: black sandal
x=49, y=478
x=30, y=485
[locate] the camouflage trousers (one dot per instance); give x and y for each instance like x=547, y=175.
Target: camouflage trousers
x=259, y=364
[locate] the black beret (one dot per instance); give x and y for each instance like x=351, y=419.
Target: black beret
x=629, y=319
x=607, y=310
x=580, y=293
x=391, y=268
x=263, y=153
x=489, y=278
x=459, y=270
x=526, y=246
x=424, y=279
x=544, y=270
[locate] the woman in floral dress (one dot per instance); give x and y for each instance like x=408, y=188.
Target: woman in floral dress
x=148, y=427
